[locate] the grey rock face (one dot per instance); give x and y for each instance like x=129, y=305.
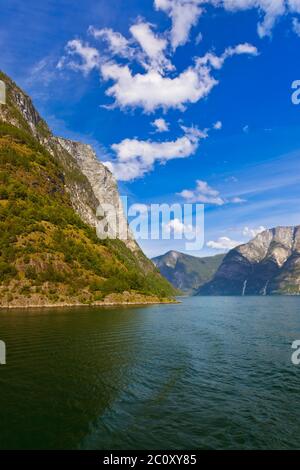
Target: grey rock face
x=89, y=183
x=269, y=264
x=102, y=181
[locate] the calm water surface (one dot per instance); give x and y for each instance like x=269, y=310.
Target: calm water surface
x=211, y=373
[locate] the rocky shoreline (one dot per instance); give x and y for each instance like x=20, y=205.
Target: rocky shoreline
x=109, y=301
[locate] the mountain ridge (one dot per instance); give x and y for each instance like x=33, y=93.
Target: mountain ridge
x=49, y=251
x=267, y=265
x=187, y=272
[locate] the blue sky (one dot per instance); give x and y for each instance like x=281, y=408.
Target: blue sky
x=215, y=77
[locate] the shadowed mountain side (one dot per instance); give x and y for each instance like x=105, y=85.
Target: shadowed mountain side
x=186, y=272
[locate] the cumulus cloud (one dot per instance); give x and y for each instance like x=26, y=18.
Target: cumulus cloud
x=205, y=194
x=223, y=244
x=157, y=87
x=202, y=193
x=184, y=15
x=135, y=158
x=161, y=125
x=116, y=42
x=145, y=47
x=152, y=90
x=269, y=10
x=89, y=57
x=217, y=62
x=252, y=232
x=152, y=45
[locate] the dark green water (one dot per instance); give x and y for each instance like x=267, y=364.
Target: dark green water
x=209, y=373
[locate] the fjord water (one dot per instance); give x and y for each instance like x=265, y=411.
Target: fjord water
x=209, y=373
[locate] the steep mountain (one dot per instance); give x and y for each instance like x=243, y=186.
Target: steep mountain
x=186, y=272
x=50, y=189
x=267, y=265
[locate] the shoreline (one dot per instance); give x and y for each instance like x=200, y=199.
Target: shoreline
x=94, y=304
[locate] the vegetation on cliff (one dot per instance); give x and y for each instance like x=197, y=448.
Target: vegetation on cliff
x=48, y=255
x=185, y=272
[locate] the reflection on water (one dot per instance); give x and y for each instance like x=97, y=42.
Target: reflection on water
x=209, y=373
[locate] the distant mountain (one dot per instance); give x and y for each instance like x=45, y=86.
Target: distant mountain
x=186, y=272
x=267, y=265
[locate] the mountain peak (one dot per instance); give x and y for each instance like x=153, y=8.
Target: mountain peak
x=187, y=272
x=268, y=264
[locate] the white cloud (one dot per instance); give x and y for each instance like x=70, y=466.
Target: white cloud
x=116, y=42
x=223, y=243
x=294, y=6
x=151, y=90
x=178, y=227
x=194, y=133
x=207, y=195
x=89, y=57
x=153, y=45
x=296, y=26
x=252, y=232
x=135, y=158
x=161, y=125
x=184, y=15
x=218, y=125
x=203, y=193
x=270, y=9
x=237, y=200
x=217, y=62
x=150, y=53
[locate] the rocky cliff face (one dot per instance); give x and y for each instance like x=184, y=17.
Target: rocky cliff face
x=19, y=110
x=102, y=181
x=186, y=272
x=269, y=264
x=50, y=189
x=89, y=182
